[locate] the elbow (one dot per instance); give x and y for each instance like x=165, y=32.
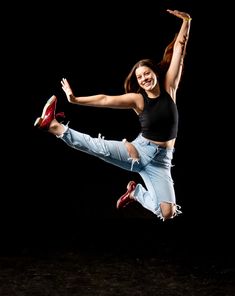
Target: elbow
x=105, y=101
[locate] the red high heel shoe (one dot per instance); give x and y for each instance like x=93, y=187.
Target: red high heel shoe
x=48, y=114
x=125, y=199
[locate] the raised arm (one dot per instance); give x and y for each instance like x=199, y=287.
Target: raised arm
x=174, y=71
x=125, y=101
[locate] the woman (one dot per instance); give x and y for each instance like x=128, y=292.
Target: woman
x=150, y=90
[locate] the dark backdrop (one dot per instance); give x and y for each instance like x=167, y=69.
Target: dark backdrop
x=53, y=195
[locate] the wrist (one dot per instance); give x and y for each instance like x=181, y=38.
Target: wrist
x=72, y=97
x=187, y=18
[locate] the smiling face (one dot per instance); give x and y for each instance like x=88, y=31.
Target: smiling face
x=146, y=78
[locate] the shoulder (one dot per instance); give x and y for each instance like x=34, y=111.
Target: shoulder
x=134, y=101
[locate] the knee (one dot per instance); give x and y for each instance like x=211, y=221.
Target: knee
x=168, y=210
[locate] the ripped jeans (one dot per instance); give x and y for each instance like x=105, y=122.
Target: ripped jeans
x=153, y=164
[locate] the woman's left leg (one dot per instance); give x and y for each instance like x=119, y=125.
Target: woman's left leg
x=114, y=152
x=155, y=169
x=160, y=190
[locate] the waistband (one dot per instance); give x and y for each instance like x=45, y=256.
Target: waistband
x=154, y=143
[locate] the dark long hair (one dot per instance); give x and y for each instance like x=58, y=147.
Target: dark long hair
x=160, y=69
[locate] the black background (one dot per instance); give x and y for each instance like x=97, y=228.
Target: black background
x=60, y=233
x=53, y=195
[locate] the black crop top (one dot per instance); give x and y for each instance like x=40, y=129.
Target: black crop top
x=159, y=119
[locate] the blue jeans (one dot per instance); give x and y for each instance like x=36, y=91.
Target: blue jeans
x=153, y=164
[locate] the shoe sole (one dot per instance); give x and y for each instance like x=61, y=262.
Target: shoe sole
x=48, y=103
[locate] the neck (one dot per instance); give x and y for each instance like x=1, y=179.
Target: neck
x=155, y=92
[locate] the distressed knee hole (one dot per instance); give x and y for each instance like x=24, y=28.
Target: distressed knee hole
x=168, y=210
x=132, y=151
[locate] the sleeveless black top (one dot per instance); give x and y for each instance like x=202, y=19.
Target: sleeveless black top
x=159, y=119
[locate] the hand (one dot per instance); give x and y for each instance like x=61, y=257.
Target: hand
x=67, y=89
x=180, y=14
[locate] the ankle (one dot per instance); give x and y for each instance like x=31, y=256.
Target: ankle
x=132, y=194
x=56, y=128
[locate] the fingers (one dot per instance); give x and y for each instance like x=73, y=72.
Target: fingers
x=178, y=13
x=64, y=82
x=66, y=88
x=173, y=11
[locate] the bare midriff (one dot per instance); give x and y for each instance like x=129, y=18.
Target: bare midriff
x=167, y=144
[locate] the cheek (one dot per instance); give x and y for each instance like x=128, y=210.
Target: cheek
x=154, y=81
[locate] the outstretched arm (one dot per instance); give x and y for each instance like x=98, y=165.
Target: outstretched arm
x=174, y=72
x=125, y=101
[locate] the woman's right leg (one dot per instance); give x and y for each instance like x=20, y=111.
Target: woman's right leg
x=119, y=153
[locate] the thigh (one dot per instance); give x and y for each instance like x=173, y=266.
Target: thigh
x=159, y=183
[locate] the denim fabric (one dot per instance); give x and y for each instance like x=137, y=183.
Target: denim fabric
x=153, y=164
